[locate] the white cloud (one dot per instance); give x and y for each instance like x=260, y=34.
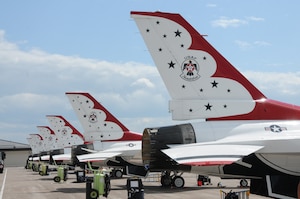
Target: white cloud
x=35, y=82
x=226, y=22
x=211, y=5
x=262, y=43
x=26, y=103
x=252, y=18
x=142, y=82
x=247, y=45
x=243, y=44
x=282, y=84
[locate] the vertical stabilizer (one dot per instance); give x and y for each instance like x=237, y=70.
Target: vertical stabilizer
x=50, y=141
x=97, y=122
x=64, y=131
x=200, y=81
x=36, y=143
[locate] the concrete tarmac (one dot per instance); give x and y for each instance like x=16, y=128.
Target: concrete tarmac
x=17, y=182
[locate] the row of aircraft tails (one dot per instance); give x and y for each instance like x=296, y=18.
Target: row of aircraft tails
x=242, y=133
x=104, y=137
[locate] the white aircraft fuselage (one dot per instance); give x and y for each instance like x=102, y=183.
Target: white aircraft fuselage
x=279, y=139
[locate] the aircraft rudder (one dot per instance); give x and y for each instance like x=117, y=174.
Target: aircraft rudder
x=201, y=82
x=97, y=121
x=182, y=54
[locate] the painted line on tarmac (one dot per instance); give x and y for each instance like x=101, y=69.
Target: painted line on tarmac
x=3, y=184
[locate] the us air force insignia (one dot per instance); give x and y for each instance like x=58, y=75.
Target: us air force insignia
x=275, y=128
x=93, y=117
x=131, y=144
x=190, y=69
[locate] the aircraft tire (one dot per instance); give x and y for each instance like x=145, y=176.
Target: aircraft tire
x=243, y=183
x=56, y=179
x=107, y=186
x=94, y=193
x=166, y=181
x=118, y=174
x=178, y=182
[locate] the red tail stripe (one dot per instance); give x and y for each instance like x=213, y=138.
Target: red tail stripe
x=97, y=105
x=75, y=131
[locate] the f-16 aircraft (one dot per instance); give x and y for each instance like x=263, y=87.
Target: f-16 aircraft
x=36, y=144
x=111, y=143
x=35, y=148
x=59, y=138
x=49, y=142
x=41, y=146
x=55, y=141
x=66, y=134
x=244, y=134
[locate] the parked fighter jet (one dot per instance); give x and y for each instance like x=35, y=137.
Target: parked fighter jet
x=41, y=144
x=55, y=141
x=111, y=143
x=244, y=134
x=67, y=135
x=50, y=142
x=36, y=144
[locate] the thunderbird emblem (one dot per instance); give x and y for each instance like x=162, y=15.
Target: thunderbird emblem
x=93, y=117
x=190, y=69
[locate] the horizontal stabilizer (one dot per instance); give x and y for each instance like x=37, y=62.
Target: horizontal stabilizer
x=209, y=155
x=89, y=150
x=95, y=157
x=45, y=157
x=62, y=157
x=36, y=158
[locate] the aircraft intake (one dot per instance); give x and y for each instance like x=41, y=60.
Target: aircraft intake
x=77, y=150
x=156, y=139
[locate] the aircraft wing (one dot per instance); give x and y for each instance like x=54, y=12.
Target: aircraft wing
x=36, y=158
x=128, y=149
x=89, y=150
x=209, y=155
x=45, y=157
x=63, y=157
x=96, y=157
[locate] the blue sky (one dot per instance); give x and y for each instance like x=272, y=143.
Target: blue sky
x=48, y=48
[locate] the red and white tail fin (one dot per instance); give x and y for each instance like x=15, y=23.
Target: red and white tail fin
x=98, y=123
x=36, y=143
x=201, y=82
x=50, y=141
x=65, y=132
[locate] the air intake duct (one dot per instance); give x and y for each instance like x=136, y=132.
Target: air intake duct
x=156, y=139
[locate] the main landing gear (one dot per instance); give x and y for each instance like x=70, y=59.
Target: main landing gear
x=117, y=173
x=168, y=180
x=243, y=183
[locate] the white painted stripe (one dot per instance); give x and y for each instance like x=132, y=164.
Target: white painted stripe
x=3, y=184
